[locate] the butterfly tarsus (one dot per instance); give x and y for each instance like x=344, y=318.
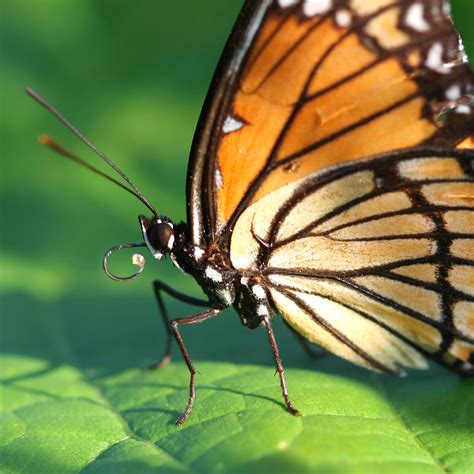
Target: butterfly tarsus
x=279, y=366
x=158, y=287
x=198, y=318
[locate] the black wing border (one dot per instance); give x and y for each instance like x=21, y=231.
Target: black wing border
x=200, y=208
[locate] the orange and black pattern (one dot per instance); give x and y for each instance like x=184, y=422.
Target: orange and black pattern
x=304, y=85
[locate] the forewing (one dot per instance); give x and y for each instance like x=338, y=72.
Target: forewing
x=303, y=85
x=372, y=260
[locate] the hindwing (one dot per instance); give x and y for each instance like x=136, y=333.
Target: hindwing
x=373, y=260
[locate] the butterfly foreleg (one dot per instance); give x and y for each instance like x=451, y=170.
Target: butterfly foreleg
x=158, y=287
x=197, y=318
x=279, y=366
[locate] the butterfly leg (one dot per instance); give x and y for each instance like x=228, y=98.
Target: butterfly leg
x=198, y=318
x=159, y=287
x=307, y=346
x=279, y=366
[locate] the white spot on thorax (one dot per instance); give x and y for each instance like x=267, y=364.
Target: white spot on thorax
x=198, y=253
x=213, y=274
x=226, y=296
x=463, y=109
x=262, y=310
x=453, y=92
x=244, y=281
x=231, y=124
x=287, y=3
x=434, y=59
x=259, y=292
x=343, y=18
x=316, y=7
x=414, y=18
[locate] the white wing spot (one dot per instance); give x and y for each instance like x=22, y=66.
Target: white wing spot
x=287, y=3
x=213, y=274
x=434, y=59
x=259, y=292
x=316, y=7
x=231, y=124
x=219, y=180
x=343, y=18
x=415, y=20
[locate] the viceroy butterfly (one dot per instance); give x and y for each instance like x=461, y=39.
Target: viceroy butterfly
x=331, y=180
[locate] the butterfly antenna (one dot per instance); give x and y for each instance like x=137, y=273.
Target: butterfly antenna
x=48, y=141
x=81, y=137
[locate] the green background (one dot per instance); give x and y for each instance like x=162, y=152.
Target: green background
x=132, y=76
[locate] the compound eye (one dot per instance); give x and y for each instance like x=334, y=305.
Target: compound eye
x=161, y=236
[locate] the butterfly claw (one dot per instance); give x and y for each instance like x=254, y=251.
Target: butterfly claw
x=289, y=405
x=294, y=411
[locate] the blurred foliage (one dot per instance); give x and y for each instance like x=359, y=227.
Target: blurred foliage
x=133, y=79
x=132, y=76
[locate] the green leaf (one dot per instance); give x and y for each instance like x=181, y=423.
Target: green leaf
x=75, y=397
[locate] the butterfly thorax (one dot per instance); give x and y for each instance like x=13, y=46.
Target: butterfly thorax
x=223, y=284
x=213, y=274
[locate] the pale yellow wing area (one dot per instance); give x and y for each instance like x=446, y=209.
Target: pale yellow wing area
x=323, y=82
x=373, y=260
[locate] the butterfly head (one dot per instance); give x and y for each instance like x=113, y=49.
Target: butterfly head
x=158, y=234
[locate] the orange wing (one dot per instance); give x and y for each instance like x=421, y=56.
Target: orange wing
x=303, y=85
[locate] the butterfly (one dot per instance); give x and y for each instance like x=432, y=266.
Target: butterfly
x=331, y=180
